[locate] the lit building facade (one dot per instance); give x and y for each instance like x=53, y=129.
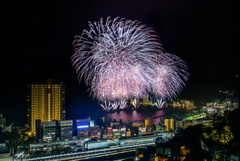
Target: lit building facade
x=95, y=131
x=137, y=124
x=187, y=123
x=142, y=130
x=187, y=104
x=66, y=129
x=147, y=123
x=178, y=124
x=45, y=102
x=160, y=128
x=83, y=128
x=169, y=124
x=205, y=122
x=50, y=131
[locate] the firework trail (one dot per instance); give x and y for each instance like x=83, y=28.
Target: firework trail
x=123, y=59
x=160, y=102
x=134, y=103
x=115, y=105
x=122, y=104
x=106, y=106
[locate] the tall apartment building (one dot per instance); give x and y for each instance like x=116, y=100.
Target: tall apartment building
x=147, y=123
x=169, y=124
x=45, y=102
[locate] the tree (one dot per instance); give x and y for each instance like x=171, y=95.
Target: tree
x=233, y=122
x=14, y=139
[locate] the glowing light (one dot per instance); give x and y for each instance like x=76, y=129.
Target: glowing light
x=82, y=126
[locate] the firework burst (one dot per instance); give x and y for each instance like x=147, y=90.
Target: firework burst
x=115, y=58
x=123, y=59
x=169, y=78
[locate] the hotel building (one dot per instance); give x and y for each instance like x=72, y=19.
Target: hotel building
x=45, y=102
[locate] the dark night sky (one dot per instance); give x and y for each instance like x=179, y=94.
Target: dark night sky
x=37, y=44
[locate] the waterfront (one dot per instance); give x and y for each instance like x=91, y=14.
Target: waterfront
x=154, y=114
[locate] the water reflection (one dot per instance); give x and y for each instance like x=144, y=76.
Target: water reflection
x=139, y=115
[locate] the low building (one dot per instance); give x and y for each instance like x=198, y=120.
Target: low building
x=115, y=124
x=66, y=129
x=187, y=123
x=95, y=132
x=128, y=133
x=137, y=124
x=210, y=146
x=50, y=130
x=83, y=128
x=205, y=122
x=178, y=124
x=160, y=128
x=142, y=130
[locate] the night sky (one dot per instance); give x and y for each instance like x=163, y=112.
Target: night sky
x=37, y=41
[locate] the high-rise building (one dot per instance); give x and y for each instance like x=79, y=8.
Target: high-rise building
x=169, y=124
x=45, y=102
x=147, y=123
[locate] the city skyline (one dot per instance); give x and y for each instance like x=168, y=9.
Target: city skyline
x=38, y=41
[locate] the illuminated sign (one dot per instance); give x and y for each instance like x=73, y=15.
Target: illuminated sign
x=66, y=123
x=142, y=129
x=82, y=122
x=91, y=123
x=82, y=126
x=109, y=129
